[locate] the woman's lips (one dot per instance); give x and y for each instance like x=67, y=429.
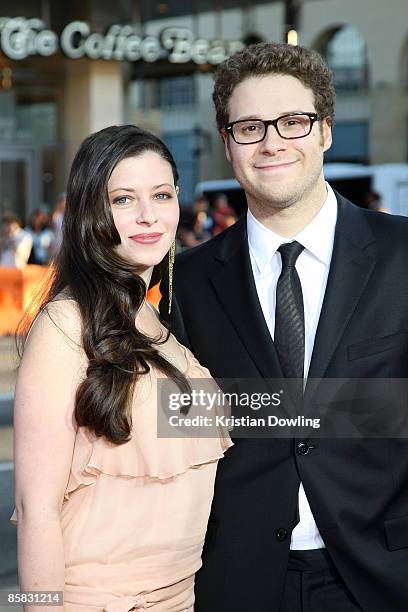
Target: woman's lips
x=148, y=238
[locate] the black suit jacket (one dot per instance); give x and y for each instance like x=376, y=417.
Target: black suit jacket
x=357, y=488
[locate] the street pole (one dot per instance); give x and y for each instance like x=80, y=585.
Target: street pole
x=292, y=25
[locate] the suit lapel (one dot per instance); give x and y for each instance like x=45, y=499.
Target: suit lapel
x=352, y=264
x=233, y=281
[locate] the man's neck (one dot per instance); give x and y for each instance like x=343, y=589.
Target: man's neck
x=288, y=221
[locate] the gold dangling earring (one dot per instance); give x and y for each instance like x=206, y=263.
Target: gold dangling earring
x=172, y=253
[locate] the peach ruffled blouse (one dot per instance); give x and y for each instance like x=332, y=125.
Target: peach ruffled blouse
x=134, y=516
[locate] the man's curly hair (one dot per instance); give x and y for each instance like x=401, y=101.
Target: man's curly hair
x=264, y=59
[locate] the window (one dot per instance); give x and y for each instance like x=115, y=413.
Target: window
x=176, y=91
x=350, y=142
x=30, y=121
x=346, y=55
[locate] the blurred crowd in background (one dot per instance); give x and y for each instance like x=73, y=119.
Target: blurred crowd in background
x=35, y=243
x=201, y=222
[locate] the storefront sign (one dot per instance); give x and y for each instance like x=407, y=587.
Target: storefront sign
x=22, y=38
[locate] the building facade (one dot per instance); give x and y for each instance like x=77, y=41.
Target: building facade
x=67, y=69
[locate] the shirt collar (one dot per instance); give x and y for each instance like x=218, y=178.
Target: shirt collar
x=317, y=237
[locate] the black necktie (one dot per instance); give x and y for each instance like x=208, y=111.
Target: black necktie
x=289, y=315
x=290, y=324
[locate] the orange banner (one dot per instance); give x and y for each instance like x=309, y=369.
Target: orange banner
x=18, y=288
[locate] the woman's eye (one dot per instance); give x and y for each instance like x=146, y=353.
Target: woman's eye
x=163, y=196
x=122, y=200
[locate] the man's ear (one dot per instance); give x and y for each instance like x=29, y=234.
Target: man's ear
x=327, y=137
x=226, y=140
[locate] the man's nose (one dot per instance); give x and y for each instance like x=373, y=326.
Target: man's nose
x=272, y=141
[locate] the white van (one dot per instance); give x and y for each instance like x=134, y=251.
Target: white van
x=353, y=181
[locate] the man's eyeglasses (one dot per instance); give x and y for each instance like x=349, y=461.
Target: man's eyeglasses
x=250, y=131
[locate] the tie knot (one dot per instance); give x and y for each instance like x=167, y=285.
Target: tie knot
x=290, y=251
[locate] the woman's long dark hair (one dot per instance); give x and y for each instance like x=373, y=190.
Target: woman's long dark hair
x=106, y=287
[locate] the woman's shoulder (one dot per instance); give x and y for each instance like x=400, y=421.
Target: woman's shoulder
x=61, y=317
x=53, y=347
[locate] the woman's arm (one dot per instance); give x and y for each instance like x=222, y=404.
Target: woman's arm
x=44, y=435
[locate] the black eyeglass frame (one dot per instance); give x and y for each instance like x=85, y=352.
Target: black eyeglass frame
x=312, y=116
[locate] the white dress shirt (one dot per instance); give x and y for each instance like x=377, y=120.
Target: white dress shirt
x=313, y=268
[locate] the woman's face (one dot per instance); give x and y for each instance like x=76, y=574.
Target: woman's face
x=145, y=208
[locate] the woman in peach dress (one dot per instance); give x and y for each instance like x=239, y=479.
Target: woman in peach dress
x=107, y=511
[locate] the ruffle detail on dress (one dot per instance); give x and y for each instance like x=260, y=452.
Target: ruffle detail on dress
x=147, y=456
x=150, y=458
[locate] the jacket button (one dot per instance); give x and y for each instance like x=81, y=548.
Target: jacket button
x=302, y=448
x=281, y=534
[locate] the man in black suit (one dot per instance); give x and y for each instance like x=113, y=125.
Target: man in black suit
x=305, y=285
